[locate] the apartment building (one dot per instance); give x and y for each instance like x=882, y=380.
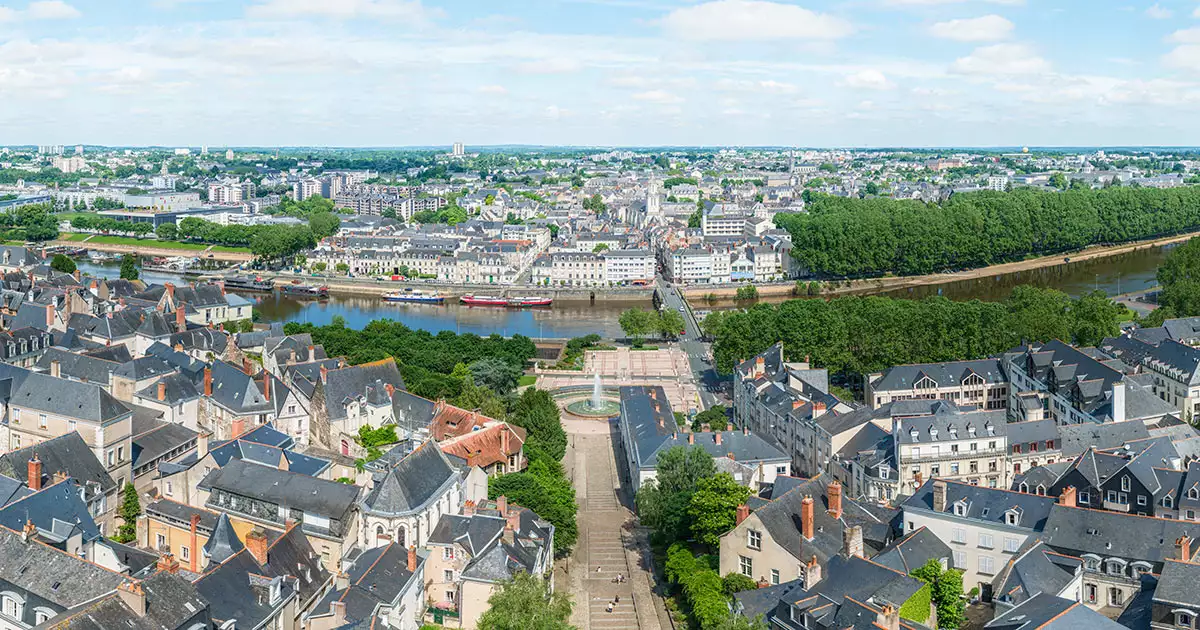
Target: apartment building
x=941, y=440
x=1074, y=387
x=625, y=266
x=981, y=383
x=1176, y=372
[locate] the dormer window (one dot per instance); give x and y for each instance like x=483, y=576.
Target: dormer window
x=1168, y=502
x=933, y=433
x=1012, y=517
x=1125, y=483
x=971, y=431
x=960, y=508
x=1184, y=619
x=1193, y=493
x=953, y=432
x=991, y=430
x=915, y=435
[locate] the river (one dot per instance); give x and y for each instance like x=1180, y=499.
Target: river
x=563, y=320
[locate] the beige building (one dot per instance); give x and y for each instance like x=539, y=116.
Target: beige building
x=946, y=442
x=980, y=383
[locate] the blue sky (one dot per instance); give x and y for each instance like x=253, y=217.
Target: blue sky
x=600, y=72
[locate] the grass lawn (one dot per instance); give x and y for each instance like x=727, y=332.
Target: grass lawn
x=526, y=379
x=67, y=216
x=147, y=242
x=72, y=237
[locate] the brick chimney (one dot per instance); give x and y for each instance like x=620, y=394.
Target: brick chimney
x=180, y=319
x=162, y=389
x=939, y=495
x=502, y=506
x=760, y=366
x=390, y=389
x=469, y=508
x=168, y=563
x=1067, y=497
x=852, y=541
x=170, y=288
x=256, y=544
x=34, y=472
x=208, y=381
x=412, y=559
x=338, y=610
x=133, y=596
x=266, y=386
x=1184, y=545
x=743, y=512
x=324, y=374
x=835, y=499
x=807, y=526
x=812, y=573
x=247, y=367
x=717, y=438
x=888, y=618
x=194, y=541
x=509, y=536
x=55, y=368
x=818, y=409
x=50, y=315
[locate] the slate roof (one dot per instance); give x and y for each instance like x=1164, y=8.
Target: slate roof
x=144, y=368
x=947, y=421
x=172, y=603
x=80, y=367
x=57, y=511
x=1077, y=531
x=986, y=504
x=66, y=454
x=52, y=574
x=911, y=552
x=950, y=374
x=377, y=578
x=353, y=382
x=267, y=455
x=223, y=542
x=1180, y=359
x=70, y=399
x=1048, y=612
x=162, y=438
x=408, y=486
x=1077, y=438
x=1035, y=569
x=297, y=491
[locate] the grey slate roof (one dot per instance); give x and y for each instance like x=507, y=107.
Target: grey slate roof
x=51, y=574
x=913, y=551
x=80, y=367
x=377, y=578
x=223, y=542
x=314, y=496
x=172, y=603
x=986, y=504
x=950, y=374
x=352, y=382
x=1077, y=531
x=409, y=485
x=57, y=511
x=67, y=454
x=1036, y=569
x=1048, y=612
x=70, y=399
x=781, y=518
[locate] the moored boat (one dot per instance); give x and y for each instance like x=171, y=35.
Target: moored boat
x=305, y=290
x=409, y=295
x=484, y=300
x=529, y=300
x=246, y=283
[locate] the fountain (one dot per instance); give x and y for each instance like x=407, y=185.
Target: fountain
x=597, y=401
x=595, y=406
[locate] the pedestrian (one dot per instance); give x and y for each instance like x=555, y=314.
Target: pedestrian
x=610, y=606
x=618, y=599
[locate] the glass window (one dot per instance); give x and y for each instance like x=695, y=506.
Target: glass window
x=754, y=539
x=746, y=565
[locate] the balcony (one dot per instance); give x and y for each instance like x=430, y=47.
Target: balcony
x=942, y=456
x=1115, y=506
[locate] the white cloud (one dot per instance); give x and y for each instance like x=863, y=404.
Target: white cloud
x=1159, y=12
x=8, y=15
x=1196, y=13
x=752, y=20
x=407, y=10
x=52, y=10
x=558, y=65
x=658, y=96
x=934, y=3
x=1001, y=59
x=769, y=86
x=1185, y=36
x=867, y=80
x=493, y=89
x=1186, y=57
x=988, y=28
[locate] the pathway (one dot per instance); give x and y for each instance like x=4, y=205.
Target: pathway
x=607, y=546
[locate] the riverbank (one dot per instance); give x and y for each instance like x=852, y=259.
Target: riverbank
x=986, y=279
x=149, y=248
x=371, y=287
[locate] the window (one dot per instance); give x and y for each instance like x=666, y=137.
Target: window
x=1017, y=470
x=1085, y=498
x=1183, y=619
x=120, y=454
x=12, y=607
x=40, y=616
x=986, y=566
x=42, y=422
x=1141, y=500
x=1193, y=493
x=960, y=560
x=447, y=553
x=291, y=408
x=960, y=535
x=1090, y=593
x=935, y=471
x=954, y=468
x=1115, y=567
x=185, y=553
x=1112, y=496
x=169, y=489
x=448, y=575
x=1191, y=515
x=1125, y=483
x=974, y=467
x=160, y=541
x=17, y=416
x=1011, y=544
x=986, y=541
x=754, y=540
x=774, y=576
x=781, y=470
x=1091, y=564
x=111, y=457
x=746, y=566
x=1049, y=445
x=1016, y=449
x=1167, y=502
x=1012, y=518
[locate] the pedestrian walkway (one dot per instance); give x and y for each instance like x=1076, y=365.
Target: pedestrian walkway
x=606, y=547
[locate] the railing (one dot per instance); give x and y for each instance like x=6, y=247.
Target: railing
x=947, y=455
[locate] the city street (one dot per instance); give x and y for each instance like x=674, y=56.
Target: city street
x=709, y=384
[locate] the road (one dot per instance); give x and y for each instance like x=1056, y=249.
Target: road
x=711, y=386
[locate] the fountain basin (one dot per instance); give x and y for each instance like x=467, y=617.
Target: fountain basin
x=585, y=408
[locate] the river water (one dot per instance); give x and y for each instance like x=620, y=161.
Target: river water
x=563, y=320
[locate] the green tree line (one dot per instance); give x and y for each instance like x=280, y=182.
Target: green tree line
x=846, y=237
x=858, y=335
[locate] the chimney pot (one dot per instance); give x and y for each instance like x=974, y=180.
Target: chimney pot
x=502, y=506
x=256, y=544
x=412, y=559
x=55, y=368
x=469, y=508
x=34, y=472
x=192, y=535
x=208, y=381
x=1184, y=545
x=743, y=512
x=835, y=499
x=939, y=495
x=717, y=437
x=167, y=562
x=162, y=389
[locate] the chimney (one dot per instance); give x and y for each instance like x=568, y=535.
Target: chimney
x=717, y=438
x=167, y=563
x=760, y=366
x=503, y=440
x=312, y=351
x=852, y=541
x=502, y=506
x=201, y=445
x=76, y=275
x=180, y=319
x=55, y=370
x=818, y=409
x=412, y=559
x=208, y=381
x=939, y=495
x=798, y=403
x=34, y=472
x=256, y=544
x=133, y=596
x=807, y=527
x=178, y=347
x=324, y=374
x=170, y=290
x=691, y=438
x=743, y=512
x=1067, y=497
x=338, y=610
x=508, y=536
x=469, y=508
x=29, y=531
x=812, y=573
x=1184, y=545
x=835, y=499
x=514, y=520
x=745, y=430
x=247, y=367
x=162, y=389
x=888, y=618
x=266, y=386
x=50, y=315
x=194, y=541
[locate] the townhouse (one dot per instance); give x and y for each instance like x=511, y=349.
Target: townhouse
x=981, y=383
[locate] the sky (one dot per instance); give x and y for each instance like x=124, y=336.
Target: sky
x=857, y=73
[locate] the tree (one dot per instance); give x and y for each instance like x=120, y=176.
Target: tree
x=536, y=412
x=496, y=374
x=663, y=502
x=1179, y=276
x=324, y=224
x=1094, y=317
x=129, y=267
x=1059, y=181
x=543, y=488
x=946, y=591
x=63, y=263
x=715, y=417
x=141, y=229
x=601, y=247
x=526, y=603
x=736, y=583
x=696, y=218
x=637, y=323
x=37, y=222
x=747, y=292
x=131, y=509
x=167, y=232
x=341, y=267
x=670, y=323
x=713, y=507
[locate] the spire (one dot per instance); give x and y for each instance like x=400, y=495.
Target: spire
x=223, y=543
